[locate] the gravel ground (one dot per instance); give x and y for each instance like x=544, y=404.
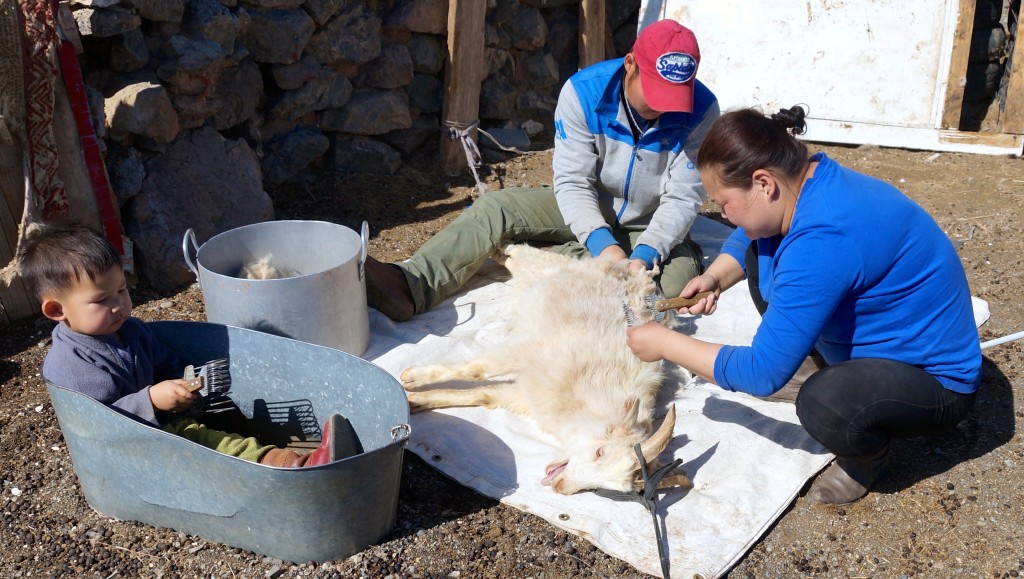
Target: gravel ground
x=951, y=506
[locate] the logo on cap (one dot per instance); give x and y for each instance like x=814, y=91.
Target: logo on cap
x=676, y=67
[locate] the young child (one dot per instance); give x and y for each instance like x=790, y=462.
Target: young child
x=101, y=351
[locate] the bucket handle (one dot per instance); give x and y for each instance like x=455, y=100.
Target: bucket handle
x=364, y=237
x=401, y=433
x=191, y=236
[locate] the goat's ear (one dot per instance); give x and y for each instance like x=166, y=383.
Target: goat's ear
x=630, y=410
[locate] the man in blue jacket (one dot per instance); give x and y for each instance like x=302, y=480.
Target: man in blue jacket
x=626, y=186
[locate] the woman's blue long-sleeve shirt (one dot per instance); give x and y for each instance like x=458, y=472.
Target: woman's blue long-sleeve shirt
x=864, y=272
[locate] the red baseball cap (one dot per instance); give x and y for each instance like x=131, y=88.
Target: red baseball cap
x=667, y=54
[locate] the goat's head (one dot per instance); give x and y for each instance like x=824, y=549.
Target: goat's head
x=610, y=462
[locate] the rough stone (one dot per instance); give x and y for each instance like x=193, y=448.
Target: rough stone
x=429, y=16
x=129, y=52
x=106, y=22
x=126, y=171
x=204, y=182
x=620, y=13
x=363, y=155
x=322, y=10
x=507, y=138
x=370, y=112
x=237, y=94
x=393, y=69
x=423, y=129
x=537, y=104
x=193, y=110
x=527, y=28
x=143, y=109
x=286, y=156
x=540, y=70
x=292, y=76
x=353, y=36
x=190, y=66
x=272, y=4
x=161, y=10
x=277, y=36
x=428, y=53
x=498, y=60
x=211, y=20
x=497, y=99
x=326, y=91
x=425, y=94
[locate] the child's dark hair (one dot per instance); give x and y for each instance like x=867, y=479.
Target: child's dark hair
x=743, y=141
x=55, y=256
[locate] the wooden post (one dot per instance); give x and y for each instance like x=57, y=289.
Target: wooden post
x=592, y=32
x=954, y=101
x=463, y=76
x=1013, y=115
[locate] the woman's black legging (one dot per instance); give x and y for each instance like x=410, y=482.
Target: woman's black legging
x=856, y=407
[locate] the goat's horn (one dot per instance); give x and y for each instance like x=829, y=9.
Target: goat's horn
x=653, y=446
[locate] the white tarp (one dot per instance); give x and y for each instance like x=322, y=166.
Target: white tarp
x=748, y=458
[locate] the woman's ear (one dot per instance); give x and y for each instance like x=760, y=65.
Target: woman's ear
x=764, y=182
x=53, y=309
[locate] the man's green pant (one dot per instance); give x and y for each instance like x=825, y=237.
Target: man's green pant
x=449, y=259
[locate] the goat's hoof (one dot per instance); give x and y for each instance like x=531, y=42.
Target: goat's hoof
x=414, y=405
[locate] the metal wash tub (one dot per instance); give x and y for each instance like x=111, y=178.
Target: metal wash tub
x=132, y=471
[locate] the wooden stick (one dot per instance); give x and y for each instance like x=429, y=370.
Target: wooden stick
x=676, y=303
x=592, y=32
x=462, y=76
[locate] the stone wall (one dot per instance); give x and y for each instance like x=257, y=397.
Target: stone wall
x=203, y=104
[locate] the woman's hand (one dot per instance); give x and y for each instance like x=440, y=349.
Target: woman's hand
x=647, y=341
x=171, y=396
x=708, y=304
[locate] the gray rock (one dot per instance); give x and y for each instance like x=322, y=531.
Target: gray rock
x=537, y=104
x=143, y=109
x=237, y=94
x=352, y=36
x=190, y=66
x=540, y=70
x=557, y=3
x=272, y=4
x=393, y=69
x=286, y=156
x=498, y=60
x=211, y=20
x=370, y=112
x=161, y=10
x=277, y=36
x=430, y=16
x=362, y=155
x=425, y=94
x=130, y=53
x=423, y=130
x=106, y=22
x=126, y=171
x=326, y=91
x=497, y=99
x=292, y=76
x=620, y=13
x=204, y=182
x=193, y=110
x=322, y=10
x=428, y=53
x=527, y=28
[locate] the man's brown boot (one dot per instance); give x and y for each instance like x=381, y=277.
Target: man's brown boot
x=387, y=290
x=847, y=480
x=282, y=458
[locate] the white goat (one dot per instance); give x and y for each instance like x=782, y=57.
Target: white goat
x=566, y=365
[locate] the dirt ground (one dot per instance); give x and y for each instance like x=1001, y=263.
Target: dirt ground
x=951, y=506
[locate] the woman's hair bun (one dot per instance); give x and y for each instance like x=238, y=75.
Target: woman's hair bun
x=792, y=119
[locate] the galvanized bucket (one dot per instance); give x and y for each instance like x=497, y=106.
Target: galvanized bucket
x=133, y=471
x=322, y=301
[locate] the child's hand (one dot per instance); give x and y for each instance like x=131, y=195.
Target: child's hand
x=171, y=396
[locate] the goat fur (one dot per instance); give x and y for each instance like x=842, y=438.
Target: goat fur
x=566, y=366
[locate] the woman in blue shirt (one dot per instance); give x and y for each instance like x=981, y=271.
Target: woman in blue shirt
x=841, y=264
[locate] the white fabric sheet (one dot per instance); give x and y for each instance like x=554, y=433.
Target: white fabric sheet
x=748, y=458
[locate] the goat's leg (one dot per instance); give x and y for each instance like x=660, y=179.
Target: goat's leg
x=491, y=396
x=476, y=370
